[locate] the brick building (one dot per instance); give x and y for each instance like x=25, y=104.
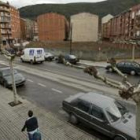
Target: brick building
x=84, y=27
x=15, y=24
x=52, y=27
x=5, y=23
x=23, y=28
x=123, y=27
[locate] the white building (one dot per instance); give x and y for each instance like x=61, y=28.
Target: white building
x=84, y=27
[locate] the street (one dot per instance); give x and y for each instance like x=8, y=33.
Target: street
x=49, y=91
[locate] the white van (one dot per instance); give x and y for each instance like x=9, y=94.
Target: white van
x=33, y=55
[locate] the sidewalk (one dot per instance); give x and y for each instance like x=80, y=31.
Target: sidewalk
x=51, y=127
x=101, y=64
x=93, y=63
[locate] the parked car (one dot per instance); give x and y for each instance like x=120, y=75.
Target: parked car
x=71, y=58
x=101, y=113
x=49, y=56
x=33, y=55
x=129, y=67
x=6, y=78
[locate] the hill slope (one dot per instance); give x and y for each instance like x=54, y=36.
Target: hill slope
x=113, y=7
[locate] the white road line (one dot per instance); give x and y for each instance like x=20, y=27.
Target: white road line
x=30, y=80
x=57, y=90
x=41, y=85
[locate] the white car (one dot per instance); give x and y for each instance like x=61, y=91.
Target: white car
x=49, y=56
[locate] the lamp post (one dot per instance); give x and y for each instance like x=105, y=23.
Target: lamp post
x=70, y=38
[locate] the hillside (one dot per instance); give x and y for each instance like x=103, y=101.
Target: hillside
x=101, y=8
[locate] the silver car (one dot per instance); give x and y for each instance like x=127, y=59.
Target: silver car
x=102, y=113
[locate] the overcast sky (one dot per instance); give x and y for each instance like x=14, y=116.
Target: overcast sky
x=21, y=3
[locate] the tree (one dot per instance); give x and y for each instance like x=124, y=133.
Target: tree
x=11, y=56
x=126, y=89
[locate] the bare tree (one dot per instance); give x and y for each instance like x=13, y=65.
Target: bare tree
x=126, y=89
x=11, y=58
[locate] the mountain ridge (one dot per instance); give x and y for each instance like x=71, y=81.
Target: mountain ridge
x=103, y=8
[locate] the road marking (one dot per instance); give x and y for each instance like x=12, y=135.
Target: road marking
x=30, y=80
x=57, y=90
x=3, y=63
x=41, y=85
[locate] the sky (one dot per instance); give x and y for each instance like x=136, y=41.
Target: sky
x=21, y=3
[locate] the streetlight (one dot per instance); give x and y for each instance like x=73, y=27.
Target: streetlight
x=70, y=38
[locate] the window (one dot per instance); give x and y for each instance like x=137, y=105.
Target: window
x=98, y=113
x=83, y=106
x=120, y=64
x=31, y=52
x=39, y=51
x=136, y=65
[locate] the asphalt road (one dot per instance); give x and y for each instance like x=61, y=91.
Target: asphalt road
x=50, y=94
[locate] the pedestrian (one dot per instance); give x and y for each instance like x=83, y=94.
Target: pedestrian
x=31, y=125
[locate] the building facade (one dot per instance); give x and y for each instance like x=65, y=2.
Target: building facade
x=15, y=24
x=5, y=23
x=84, y=27
x=51, y=27
x=23, y=29
x=123, y=27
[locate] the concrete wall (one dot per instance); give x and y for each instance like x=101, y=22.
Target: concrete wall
x=90, y=50
x=84, y=27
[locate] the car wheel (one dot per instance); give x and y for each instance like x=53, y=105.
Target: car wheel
x=5, y=84
x=21, y=60
x=133, y=72
x=110, y=70
x=119, y=138
x=31, y=61
x=73, y=119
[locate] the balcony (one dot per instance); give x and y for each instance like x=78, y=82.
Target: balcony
x=5, y=20
x=4, y=9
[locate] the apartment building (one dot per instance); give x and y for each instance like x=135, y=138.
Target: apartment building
x=84, y=27
x=23, y=29
x=15, y=24
x=35, y=31
x=5, y=23
x=123, y=27
x=52, y=27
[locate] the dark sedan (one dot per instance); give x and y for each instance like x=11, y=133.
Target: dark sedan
x=71, y=58
x=129, y=67
x=101, y=113
x=6, y=78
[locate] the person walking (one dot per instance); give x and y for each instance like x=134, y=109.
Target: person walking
x=31, y=125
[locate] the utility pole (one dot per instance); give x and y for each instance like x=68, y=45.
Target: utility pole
x=70, y=38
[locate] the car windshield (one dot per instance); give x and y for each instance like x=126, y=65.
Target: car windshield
x=72, y=56
x=7, y=72
x=115, y=111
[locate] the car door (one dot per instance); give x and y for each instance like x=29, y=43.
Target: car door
x=99, y=120
x=128, y=67
x=82, y=111
x=0, y=77
x=121, y=66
